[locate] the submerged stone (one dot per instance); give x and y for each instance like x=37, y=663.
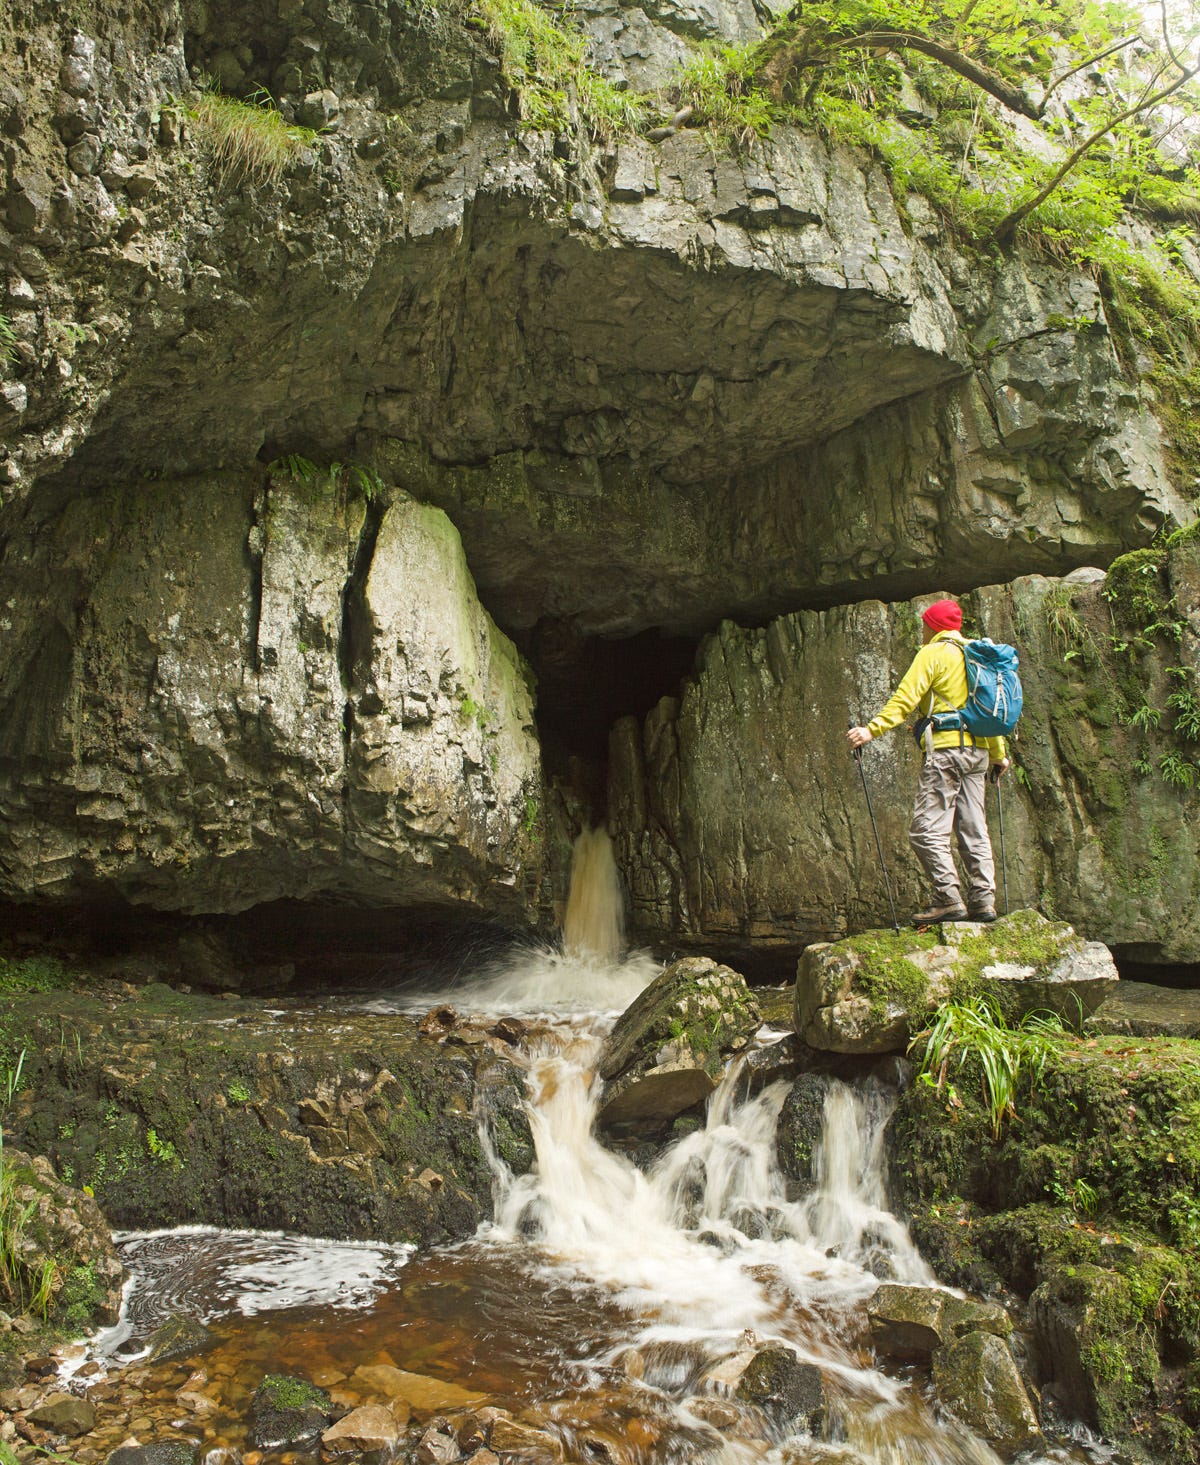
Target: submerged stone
x=179, y=1337
x=158, y=1452
x=65, y=1414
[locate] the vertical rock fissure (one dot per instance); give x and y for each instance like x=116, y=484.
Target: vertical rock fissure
x=354, y=635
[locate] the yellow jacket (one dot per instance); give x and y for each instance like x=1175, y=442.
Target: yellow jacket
x=935, y=682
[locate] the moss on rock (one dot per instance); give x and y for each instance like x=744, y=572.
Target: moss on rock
x=1085, y=1206
x=346, y=1125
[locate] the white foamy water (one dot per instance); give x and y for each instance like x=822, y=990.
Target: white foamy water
x=205, y=1272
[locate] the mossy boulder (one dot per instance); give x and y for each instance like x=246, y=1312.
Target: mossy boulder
x=788, y=1390
x=288, y=1413
x=798, y=1132
x=1083, y=1209
x=871, y=993
x=669, y=1048
x=977, y=1377
x=910, y=1322
x=64, y=1265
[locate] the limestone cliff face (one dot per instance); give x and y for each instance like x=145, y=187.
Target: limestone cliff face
x=217, y=695
x=651, y=386
x=741, y=819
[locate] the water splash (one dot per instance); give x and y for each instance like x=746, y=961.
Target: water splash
x=591, y=973
x=707, y=1247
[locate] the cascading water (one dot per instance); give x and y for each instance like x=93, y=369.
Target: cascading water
x=613, y=1306
x=710, y=1257
x=593, y=925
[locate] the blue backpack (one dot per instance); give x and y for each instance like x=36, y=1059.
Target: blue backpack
x=993, y=688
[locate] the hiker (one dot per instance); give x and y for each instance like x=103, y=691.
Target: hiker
x=950, y=794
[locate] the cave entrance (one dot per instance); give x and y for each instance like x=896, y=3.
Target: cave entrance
x=587, y=683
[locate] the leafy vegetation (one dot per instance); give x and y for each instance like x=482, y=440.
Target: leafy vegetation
x=29, y=1287
x=8, y=341
x=32, y=974
x=250, y=140
x=1119, y=654
x=348, y=477
x=543, y=54
x=976, y=1030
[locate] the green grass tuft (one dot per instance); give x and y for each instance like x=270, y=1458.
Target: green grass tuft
x=249, y=139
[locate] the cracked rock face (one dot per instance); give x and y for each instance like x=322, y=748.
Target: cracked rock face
x=245, y=695
x=651, y=387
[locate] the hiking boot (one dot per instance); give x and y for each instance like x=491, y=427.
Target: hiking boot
x=984, y=914
x=940, y=913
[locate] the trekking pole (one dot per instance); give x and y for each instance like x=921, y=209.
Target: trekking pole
x=995, y=778
x=887, y=884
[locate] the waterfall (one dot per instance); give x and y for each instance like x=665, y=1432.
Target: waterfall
x=593, y=927
x=590, y=973
x=710, y=1256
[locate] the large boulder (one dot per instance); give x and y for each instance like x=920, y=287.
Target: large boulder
x=670, y=1046
x=912, y=1323
x=872, y=993
x=740, y=820
x=977, y=1377
x=220, y=695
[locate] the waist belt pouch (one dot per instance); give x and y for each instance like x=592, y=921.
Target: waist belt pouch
x=938, y=722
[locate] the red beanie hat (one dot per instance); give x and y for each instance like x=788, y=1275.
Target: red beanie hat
x=943, y=615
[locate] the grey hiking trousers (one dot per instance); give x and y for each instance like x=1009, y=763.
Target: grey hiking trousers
x=950, y=798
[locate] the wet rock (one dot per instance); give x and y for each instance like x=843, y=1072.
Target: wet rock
x=1142, y=1010
x=159, y=1452
x=179, y=1337
x=66, y=1414
x=288, y=1413
x=438, y=1447
x=509, y=1437
x=798, y=1132
x=789, y=1391
x=977, y=1378
x=669, y=1047
x=371, y=1427
x=910, y=1323
x=906, y=1321
x=871, y=993
x=772, y=1063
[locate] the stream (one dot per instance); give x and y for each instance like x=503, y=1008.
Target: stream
x=607, y=1305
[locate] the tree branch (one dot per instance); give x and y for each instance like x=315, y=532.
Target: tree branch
x=1083, y=66
x=1008, y=226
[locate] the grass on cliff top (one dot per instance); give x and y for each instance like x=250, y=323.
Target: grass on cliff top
x=543, y=56
x=249, y=139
